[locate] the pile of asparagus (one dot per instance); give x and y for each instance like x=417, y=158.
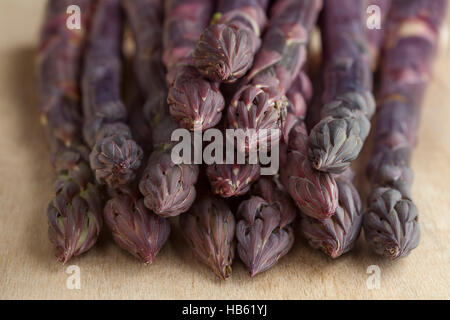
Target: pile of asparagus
x=234, y=64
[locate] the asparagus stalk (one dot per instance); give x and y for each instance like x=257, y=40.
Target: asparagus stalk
x=315, y=193
x=194, y=102
x=144, y=17
x=391, y=221
x=264, y=229
x=209, y=229
x=337, y=234
x=283, y=51
x=60, y=53
x=168, y=188
x=184, y=22
x=134, y=227
x=277, y=64
x=225, y=50
x=74, y=215
x=338, y=138
x=140, y=129
x=115, y=156
x=299, y=96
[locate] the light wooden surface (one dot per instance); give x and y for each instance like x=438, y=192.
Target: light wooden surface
x=28, y=269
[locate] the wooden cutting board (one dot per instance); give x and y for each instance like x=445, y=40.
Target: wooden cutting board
x=28, y=269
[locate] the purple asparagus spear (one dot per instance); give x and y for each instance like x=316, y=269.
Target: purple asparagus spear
x=337, y=234
x=265, y=226
x=209, y=229
x=225, y=50
x=74, y=214
x=349, y=105
x=115, y=156
x=391, y=221
x=314, y=192
x=135, y=228
x=194, y=102
x=168, y=188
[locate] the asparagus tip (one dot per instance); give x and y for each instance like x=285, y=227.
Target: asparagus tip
x=333, y=253
x=115, y=160
x=65, y=256
x=148, y=259
x=253, y=271
x=224, y=273
x=393, y=253
x=217, y=55
x=391, y=224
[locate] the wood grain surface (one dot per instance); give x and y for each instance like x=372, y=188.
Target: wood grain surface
x=28, y=269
